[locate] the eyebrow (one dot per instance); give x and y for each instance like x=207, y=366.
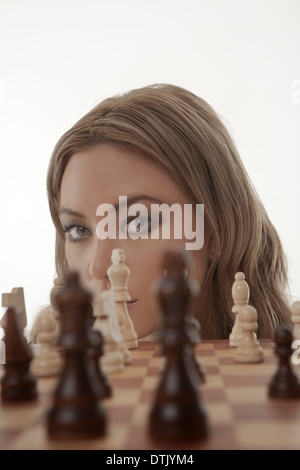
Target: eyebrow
x=130, y=201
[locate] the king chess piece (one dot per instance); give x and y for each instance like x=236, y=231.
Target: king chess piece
x=177, y=411
x=76, y=411
x=118, y=274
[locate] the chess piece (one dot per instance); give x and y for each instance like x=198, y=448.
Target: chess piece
x=98, y=377
x=17, y=383
x=76, y=411
x=296, y=319
x=177, y=410
x=284, y=383
x=249, y=349
x=240, y=294
x=193, y=327
x=104, y=309
x=15, y=299
x=118, y=274
x=54, y=311
x=47, y=362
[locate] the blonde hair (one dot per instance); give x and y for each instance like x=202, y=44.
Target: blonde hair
x=181, y=132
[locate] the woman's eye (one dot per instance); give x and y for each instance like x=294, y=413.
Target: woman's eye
x=139, y=225
x=76, y=232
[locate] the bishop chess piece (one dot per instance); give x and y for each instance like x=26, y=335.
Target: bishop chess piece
x=296, y=319
x=118, y=274
x=240, y=294
x=76, y=411
x=177, y=411
x=249, y=349
x=285, y=382
x=18, y=383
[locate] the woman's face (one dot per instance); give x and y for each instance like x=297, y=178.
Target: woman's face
x=100, y=175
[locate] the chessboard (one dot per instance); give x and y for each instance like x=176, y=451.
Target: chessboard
x=240, y=414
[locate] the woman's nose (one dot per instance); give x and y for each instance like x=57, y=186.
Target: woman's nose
x=100, y=259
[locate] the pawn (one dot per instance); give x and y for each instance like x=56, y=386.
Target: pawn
x=249, y=349
x=47, y=362
x=296, y=319
x=18, y=383
x=284, y=383
x=240, y=294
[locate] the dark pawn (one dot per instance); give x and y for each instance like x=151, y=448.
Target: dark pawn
x=76, y=411
x=285, y=383
x=177, y=410
x=18, y=382
x=99, y=379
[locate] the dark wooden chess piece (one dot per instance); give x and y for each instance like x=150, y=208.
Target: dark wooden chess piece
x=76, y=411
x=100, y=381
x=18, y=382
x=284, y=383
x=177, y=410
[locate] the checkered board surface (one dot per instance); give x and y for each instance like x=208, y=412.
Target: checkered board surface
x=239, y=412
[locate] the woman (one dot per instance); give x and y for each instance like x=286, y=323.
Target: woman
x=163, y=144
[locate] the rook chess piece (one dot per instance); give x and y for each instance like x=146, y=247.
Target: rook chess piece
x=284, y=383
x=76, y=411
x=177, y=410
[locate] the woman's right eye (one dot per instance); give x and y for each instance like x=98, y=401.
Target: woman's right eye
x=75, y=233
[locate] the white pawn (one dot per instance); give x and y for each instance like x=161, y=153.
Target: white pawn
x=118, y=274
x=249, y=349
x=296, y=319
x=112, y=360
x=47, y=362
x=240, y=294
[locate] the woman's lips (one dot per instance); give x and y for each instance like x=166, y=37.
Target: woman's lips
x=132, y=303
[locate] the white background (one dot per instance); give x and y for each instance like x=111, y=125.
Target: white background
x=59, y=58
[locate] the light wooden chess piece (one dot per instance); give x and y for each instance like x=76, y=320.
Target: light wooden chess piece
x=47, y=362
x=118, y=274
x=296, y=319
x=112, y=359
x=249, y=349
x=54, y=311
x=15, y=299
x=240, y=294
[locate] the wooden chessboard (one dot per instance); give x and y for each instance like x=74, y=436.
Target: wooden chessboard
x=240, y=414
